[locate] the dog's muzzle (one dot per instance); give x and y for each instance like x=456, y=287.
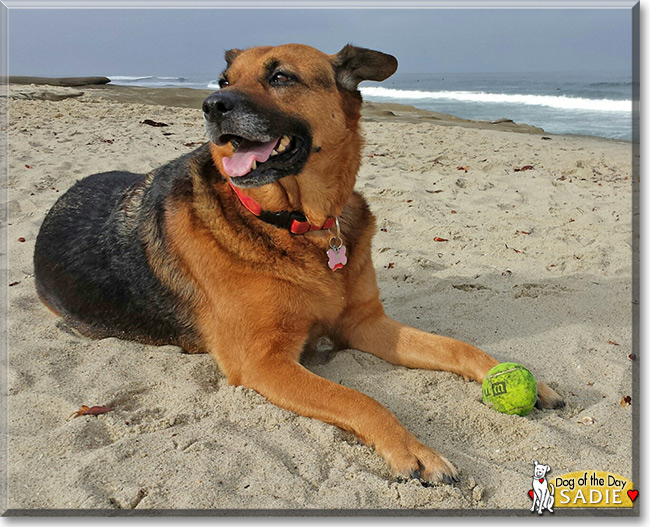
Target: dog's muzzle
x=267, y=143
x=217, y=105
x=229, y=113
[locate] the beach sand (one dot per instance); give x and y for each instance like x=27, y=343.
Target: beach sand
x=536, y=269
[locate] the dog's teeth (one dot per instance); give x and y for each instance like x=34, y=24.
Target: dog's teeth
x=274, y=153
x=254, y=165
x=284, y=143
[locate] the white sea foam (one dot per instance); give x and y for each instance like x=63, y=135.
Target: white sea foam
x=560, y=101
x=128, y=78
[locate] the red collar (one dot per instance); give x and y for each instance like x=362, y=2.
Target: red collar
x=295, y=222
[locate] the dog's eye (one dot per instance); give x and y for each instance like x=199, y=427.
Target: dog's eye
x=223, y=83
x=280, y=78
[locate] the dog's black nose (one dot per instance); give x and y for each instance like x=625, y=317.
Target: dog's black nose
x=218, y=104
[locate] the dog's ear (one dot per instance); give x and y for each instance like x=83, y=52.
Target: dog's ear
x=536, y=463
x=353, y=65
x=548, y=468
x=231, y=55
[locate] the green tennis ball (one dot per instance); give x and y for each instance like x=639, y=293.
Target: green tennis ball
x=510, y=388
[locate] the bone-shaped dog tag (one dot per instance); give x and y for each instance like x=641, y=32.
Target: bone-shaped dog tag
x=337, y=258
x=336, y=253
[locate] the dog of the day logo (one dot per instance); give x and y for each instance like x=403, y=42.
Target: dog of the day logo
x=580, y=489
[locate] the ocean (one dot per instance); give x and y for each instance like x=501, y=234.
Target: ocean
x=560, y=103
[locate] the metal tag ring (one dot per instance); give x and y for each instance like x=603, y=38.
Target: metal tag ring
x=336, y=236
x=334, y=245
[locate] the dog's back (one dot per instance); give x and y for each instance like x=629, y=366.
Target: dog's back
x=91, y=260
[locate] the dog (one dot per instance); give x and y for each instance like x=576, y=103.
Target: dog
x=542, y=496
x=252, y=247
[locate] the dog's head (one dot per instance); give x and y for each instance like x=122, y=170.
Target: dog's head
x=287, y=116
x=541, y=470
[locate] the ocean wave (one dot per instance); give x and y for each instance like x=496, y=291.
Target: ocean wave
x=213, y=85
x=128, y=78
x=561, y=101
x=610, y=84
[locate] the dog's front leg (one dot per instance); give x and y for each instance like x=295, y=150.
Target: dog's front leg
x=365, y=326
x=399, y=344
x=271, y=369
x=537, y=499
x=542, y=501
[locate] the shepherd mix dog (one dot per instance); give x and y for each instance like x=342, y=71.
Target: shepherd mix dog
x=253, y=246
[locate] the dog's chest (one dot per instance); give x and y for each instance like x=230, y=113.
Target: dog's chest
x=325, y=292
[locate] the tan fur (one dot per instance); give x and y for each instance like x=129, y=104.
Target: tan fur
x=334, y=131
x=261, y=293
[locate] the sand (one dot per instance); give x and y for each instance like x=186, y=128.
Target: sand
x=536, y=268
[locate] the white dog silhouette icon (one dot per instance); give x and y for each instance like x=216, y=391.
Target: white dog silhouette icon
x=543, y=492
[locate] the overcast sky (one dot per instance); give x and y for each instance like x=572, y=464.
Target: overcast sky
x=186, y=42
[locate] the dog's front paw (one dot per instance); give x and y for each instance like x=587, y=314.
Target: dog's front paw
x=415, y=460
x=548, y=398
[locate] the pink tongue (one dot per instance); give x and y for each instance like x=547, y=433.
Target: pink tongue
x=242, y=160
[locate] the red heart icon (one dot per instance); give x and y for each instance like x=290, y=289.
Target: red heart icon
x=541, y=480
x=531, y=493
x=632, y=494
